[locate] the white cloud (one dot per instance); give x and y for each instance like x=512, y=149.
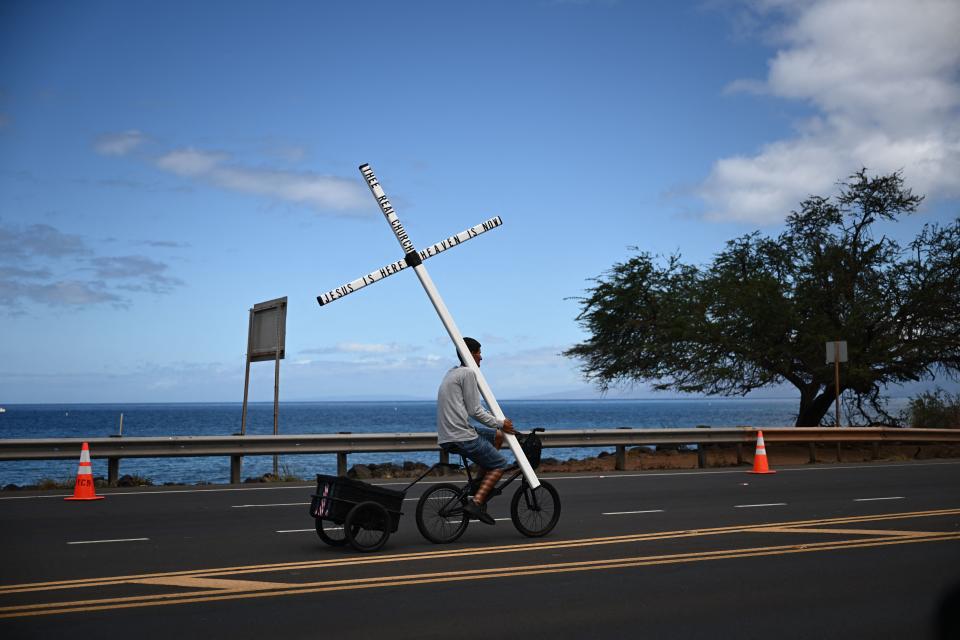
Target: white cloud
x=71, y=293
x=882, y=75
x=18, y=244
x=139, y=272
x=319, y=192
x=119, y=144
x=286, y=152
x=191, y=163
x=362, y=348
x=358, y=347
x=39, y=263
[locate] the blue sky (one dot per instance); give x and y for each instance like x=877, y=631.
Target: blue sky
x=166, y=165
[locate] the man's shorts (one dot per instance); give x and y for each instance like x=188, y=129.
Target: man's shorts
x=480, y=449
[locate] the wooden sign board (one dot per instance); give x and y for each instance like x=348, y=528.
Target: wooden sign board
x=268, y=330
x=833, y=348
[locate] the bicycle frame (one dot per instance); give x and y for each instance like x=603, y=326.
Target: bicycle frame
x=462, y=495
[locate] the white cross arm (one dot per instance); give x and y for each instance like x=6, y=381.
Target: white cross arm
x=400, y=265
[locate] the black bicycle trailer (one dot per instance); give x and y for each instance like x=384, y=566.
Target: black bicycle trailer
x=357, y=512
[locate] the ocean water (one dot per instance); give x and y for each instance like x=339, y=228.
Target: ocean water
x=152, y=420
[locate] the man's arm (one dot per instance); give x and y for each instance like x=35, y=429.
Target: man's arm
x=471, y=400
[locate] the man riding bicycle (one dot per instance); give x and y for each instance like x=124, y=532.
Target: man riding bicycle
x=458, y=399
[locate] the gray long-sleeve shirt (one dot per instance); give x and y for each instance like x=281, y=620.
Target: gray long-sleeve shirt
x=458, y=399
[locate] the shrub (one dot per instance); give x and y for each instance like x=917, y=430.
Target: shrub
x=934, y=410
x=134, y=481
x=53, y=483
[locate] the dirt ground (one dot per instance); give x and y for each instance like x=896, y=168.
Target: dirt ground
x=645, y=458
x=641, y=458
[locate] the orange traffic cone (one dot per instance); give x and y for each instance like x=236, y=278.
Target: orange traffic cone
x=83, y=489
x=760, y=457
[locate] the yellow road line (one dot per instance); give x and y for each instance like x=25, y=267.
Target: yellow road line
x=456, y=576
x=853, y=532
x=211, y=583
x=469, y=551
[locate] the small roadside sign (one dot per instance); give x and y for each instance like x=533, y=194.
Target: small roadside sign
x=835, y=348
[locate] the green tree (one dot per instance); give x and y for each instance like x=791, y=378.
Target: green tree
x=761, y=312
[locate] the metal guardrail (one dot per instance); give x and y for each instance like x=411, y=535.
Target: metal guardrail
x=342, y=444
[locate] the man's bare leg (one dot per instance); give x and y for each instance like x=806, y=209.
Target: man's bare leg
x=490, y=480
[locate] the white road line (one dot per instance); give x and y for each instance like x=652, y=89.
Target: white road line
x=499, y=519
x=770, y=504
x=101, y=541
x=872, y=499
x=160, y=492
x=686, y=472
x=818, y=468
x=302, y=530
x=625, y=513
x=279, y=504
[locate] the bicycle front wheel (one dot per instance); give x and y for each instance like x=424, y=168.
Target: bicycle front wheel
x=440, y=516
x=535, y=512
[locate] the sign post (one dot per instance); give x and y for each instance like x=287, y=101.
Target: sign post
x=837, y=353
x=266, y=335
x=413, y=258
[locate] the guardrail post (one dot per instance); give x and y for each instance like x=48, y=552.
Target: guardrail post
x=702, y=450
x=876, y=450
x=621, y=459
x=813, y=453
x=236, y=464
x=444, y=459
x=342, y=457
x=113, y=471
x=739, y=453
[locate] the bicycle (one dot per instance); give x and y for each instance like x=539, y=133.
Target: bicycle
x=534, y=512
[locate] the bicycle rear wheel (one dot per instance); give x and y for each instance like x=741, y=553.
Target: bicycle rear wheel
x=535, y=512
x=440, y=516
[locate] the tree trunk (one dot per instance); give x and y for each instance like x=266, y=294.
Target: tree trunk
x=815, y=402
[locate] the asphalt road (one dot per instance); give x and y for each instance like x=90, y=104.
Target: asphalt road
x=819, y=551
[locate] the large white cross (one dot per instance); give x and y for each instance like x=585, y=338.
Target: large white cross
x=414, y=258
